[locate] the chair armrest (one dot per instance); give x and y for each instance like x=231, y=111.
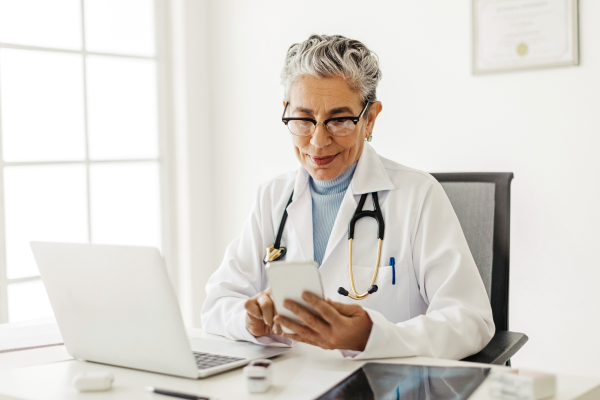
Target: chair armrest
x=500, y=349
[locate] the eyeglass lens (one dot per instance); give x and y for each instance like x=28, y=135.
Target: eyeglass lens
x=343, y=127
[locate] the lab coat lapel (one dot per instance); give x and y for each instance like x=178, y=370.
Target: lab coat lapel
x=300, y=215
x=370, y=176
x=340, y=226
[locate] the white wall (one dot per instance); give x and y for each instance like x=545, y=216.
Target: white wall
x=543, y=125
x=187, y=150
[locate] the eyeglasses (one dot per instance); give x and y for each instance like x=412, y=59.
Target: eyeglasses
x=339, y=126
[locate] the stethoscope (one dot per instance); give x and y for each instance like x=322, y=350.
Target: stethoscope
x=276, y=251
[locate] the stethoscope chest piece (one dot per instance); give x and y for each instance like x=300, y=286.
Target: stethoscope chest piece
x=274, y=254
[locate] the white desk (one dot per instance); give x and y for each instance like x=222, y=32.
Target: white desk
x=46, y=373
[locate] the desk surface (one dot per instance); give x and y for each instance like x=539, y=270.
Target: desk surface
x=46, y=373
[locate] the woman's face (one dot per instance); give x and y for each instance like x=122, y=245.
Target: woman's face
x=325, y=156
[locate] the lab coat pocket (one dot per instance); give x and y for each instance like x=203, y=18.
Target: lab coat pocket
x=391, y=298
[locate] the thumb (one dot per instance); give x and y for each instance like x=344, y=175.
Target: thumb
x=347, y=310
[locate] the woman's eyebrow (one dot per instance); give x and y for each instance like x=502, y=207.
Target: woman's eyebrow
x=341, y=110
x=338, y=110
x=304, y=110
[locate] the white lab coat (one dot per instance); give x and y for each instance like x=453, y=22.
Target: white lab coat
x=438, y=306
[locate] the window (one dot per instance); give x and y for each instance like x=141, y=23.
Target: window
x=78, y=134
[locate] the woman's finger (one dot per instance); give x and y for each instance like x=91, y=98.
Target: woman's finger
x=306, y=316
x=252, y=308
x=254, y=319
x=298, y=338
x=277, y=328
x=326, y=310
x=347, y=310
x=256, y=326
x=267, y=308
x=299, y=329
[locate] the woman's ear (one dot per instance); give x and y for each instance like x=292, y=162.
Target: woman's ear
x=374, y=111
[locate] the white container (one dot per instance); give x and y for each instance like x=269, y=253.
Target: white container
x=93, y=381
x=258, y=374
x=522, y=385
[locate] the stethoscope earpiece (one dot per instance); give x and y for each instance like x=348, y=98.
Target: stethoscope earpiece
x=344, y=292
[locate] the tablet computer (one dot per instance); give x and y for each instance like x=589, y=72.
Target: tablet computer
x=288, y=280
x=408, y=382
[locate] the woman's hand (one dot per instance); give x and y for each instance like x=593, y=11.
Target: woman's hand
x=339, y=326
x=260, y=311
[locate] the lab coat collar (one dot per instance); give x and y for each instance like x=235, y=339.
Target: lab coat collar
x=370, y=175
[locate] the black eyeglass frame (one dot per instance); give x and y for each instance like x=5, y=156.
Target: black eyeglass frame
x=315, y=122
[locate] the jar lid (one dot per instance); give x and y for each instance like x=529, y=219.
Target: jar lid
x=252, y=371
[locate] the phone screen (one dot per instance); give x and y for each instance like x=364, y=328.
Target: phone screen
x=288, y=280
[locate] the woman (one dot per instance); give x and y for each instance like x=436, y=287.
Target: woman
x=431, y=303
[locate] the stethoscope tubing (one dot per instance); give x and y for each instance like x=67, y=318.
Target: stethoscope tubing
x=358, y=214
x=276, y=252
x=372, y=286
x=282, y=223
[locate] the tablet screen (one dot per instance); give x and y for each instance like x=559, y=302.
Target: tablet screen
x=376, y=381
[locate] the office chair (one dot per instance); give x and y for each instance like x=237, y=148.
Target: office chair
x=481, y=201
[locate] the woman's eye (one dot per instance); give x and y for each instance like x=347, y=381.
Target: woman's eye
x=341, y=123
x=306, y=124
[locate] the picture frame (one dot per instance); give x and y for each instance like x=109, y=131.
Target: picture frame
x=513, y=35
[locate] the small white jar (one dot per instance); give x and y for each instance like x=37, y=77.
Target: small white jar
x=259, y=374
x=93, y=381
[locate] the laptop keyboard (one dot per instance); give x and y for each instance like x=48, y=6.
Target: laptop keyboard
x=208, y=360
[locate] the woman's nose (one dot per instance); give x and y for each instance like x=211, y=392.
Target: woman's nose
x=320, y=137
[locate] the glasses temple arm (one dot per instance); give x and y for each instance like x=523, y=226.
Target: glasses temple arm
x=285, y=108
x=364, y=109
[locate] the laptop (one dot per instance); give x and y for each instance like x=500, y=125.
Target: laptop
x=115, y=305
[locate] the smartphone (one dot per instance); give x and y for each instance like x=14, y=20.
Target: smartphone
x=288, y=280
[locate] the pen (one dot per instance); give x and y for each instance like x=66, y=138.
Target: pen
x=393, y=264
x=175, y=394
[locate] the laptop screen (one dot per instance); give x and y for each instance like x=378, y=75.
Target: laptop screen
x=375, y=381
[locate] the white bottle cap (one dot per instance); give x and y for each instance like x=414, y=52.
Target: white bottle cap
x=93, y=381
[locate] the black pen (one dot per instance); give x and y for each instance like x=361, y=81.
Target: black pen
x=175, y=394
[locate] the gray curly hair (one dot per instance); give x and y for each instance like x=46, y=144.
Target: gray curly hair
x=326, y=56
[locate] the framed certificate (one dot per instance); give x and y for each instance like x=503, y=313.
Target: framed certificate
x=521, y=34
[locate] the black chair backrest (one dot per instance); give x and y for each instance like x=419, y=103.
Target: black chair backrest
x=481, y=201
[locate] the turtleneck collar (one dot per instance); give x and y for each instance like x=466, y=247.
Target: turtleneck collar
x=334, y=186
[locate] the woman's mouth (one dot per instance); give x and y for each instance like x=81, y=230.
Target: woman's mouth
x=322, y=160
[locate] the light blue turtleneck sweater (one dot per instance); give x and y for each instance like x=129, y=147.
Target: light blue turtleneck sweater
x=327, y=198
